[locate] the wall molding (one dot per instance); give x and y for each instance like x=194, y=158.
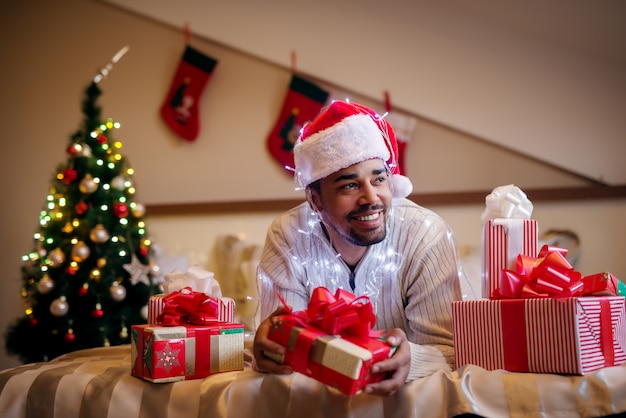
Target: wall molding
x=426, y=199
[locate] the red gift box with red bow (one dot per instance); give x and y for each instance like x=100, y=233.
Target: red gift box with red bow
x=544, y=318
x=332, y=340
x=188, y=342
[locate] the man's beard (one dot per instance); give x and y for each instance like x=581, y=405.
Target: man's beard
x=364, y=239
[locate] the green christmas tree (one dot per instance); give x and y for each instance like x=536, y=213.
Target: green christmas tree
x=90, y=273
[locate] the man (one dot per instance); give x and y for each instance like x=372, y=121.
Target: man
x=358, y=232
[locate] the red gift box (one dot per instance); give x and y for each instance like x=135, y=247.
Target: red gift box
x=503, y=241
x=174, y=353
x=331, y=341
x=573, y=335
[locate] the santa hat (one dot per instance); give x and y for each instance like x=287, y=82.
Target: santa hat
x=342, y=135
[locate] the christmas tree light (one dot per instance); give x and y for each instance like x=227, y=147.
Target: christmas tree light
x=90, y=273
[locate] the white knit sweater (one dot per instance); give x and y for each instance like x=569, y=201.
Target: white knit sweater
x=411, y=277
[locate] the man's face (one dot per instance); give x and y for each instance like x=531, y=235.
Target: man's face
x=354, y=202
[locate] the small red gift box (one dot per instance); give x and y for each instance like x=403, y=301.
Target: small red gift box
x=573, y=335
x=172, y=353
x=331, y=341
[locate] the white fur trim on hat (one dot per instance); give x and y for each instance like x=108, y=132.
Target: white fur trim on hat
x=354, y=139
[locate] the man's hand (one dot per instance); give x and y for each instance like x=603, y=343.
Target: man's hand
x=263, y=345
x=397, y=366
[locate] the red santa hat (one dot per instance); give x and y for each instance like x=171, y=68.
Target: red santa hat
x=344, y=134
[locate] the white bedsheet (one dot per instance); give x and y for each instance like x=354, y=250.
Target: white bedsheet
x=96, y=383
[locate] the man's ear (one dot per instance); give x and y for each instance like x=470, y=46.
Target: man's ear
x=313, y=197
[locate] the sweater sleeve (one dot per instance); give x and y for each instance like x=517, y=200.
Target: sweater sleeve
x=425, y=360
x=431, y=284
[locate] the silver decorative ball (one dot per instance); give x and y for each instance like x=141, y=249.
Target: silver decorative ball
x=45, y=284
x=118, y=292
x=59, y=307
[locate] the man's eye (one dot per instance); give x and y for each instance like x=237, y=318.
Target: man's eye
x=380, y=179
x=348, y=186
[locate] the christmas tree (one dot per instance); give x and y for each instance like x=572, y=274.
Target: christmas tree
x=90, y=273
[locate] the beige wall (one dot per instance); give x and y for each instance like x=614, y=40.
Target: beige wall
x=51, y=53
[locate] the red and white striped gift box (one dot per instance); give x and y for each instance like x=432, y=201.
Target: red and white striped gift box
x=541, y=335
x=503, y=240
x=226, y=309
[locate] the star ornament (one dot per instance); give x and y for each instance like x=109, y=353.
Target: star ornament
x=138, y=272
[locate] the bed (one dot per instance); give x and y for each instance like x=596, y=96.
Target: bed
x=96, y=383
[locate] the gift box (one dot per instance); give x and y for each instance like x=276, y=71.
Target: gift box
x=573, y=335
x=173, y=353
x=194, y=279
x=225, y=308
x=507, y=232
x=332, y=341
x=543, y=319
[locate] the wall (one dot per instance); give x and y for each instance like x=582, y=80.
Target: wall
x=53, y=52
x=437, y=57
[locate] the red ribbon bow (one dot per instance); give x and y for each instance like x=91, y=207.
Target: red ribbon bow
x=186, y=307
x=548, y=275
x=341, y=314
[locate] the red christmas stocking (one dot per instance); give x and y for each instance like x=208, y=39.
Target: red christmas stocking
x=404, y=127
x=302, y=103
x=180, y=109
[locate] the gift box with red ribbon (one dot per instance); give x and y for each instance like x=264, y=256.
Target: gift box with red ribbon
x=332, y=340
x=507, y=231
x=172, y=353
x=543, y=318
x=188, y=341
x=197, y=280
x=225, y=307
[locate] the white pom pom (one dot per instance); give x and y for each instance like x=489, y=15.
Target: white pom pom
x=402, y=186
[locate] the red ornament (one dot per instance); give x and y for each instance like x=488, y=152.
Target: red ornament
x=69, y=175
x=120, y=210
x=71, y=150
x=81, y=207
x=71, y=270
x=102, y=139
x=32, y=321
x=69, y=337
x=98, y=313
x=83, y=290
x=143, y=251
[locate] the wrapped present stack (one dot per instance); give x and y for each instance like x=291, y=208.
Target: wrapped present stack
x=190, y=332
x=538, y=314
x=332, y=340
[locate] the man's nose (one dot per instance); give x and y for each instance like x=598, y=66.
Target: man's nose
x=369, y=195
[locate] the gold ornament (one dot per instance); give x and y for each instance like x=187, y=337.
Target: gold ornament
x=99, y=234
x=87, y=185
x=80, y=251
x=56, y=257
x=138, y=210
x=45, y=284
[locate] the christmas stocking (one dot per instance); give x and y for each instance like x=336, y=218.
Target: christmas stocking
x=302, y=103
x=180, y=109
x=403, y=126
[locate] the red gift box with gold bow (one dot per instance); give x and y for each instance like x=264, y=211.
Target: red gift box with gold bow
x=544, y=318
x=332, y=340
x=188, y=342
